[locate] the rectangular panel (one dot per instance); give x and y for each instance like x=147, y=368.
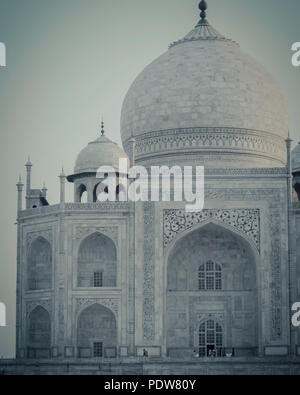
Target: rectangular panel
x=84, y=352
x=154, y=351
x=110, y=352
x=276, y=350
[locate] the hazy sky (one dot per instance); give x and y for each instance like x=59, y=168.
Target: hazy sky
x=71, y=61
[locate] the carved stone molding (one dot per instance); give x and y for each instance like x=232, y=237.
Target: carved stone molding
x=244, y=220
x=149, y=276
x=203, y=317
x=230, y=194
x=110, y=231
x=276, y=293
x=215, y=139
x=57, y=209
x=40, y=211
x=260, y=171
x=45, y=233
x=104, y=206
x=110, y=303
x=31, y=305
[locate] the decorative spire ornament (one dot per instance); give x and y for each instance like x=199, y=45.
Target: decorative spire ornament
x=203, y=30
x=102, y=128
x=28, y=164
x=20, y=180
x=203, y=8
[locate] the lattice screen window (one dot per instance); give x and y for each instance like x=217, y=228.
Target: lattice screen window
x=210, y=338
x=98, y=349
x=98, y=279
x=202, y=340
x=210, y=276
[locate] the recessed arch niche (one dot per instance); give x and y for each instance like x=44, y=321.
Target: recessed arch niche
x=233, y=291
x=39, y=265
x=39, y=331
x=97, y=259
x=96, y=326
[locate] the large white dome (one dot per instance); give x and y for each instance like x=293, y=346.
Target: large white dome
x=206, y=100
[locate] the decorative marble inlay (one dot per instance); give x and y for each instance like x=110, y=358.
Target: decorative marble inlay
x=110, y=303
x=149, y=277
x=215, y=139
x=245, y=220
x=31, y=305
x=110, y=231
x=45, y=233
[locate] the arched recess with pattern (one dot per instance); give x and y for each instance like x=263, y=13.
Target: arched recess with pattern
x=96, y=331
x=97, y=262
x=212, y=268
x=39, y=330
x=39, y=265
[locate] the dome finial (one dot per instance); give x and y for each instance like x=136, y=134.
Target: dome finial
x=203, y=8
x=102, y=128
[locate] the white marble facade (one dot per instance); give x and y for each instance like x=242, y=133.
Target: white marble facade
x=114, y=279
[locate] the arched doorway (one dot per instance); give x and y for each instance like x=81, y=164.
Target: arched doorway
x=97, y=262
x=101, y=187
x=210, y=339
x=82, y=195
x=39, y=265
x=96, y=332
x=39, y=333
x=211, y=277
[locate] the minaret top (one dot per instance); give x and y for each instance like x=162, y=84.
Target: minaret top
x=44, y=190
x=62, y=174
x=203, y=8
x=20, y=183
x=288, y=140
x=28, y=164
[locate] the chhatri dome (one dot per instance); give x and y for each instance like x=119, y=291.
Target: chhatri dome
x=100, y=152
x=205, y=100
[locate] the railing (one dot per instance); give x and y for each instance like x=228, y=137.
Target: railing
x=192, y=353
x=70, y=207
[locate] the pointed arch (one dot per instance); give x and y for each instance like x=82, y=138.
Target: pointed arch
x=210, y=338
x=216, y=222
x=39, y=265
x=96, y=331
x=39, y=332
x=235, y=286
x=102, y=188
x=82, y=193
x=210, y=231
x=97, y=261
x=95, y=191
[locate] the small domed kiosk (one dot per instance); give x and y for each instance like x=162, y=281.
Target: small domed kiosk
x=98, y=153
